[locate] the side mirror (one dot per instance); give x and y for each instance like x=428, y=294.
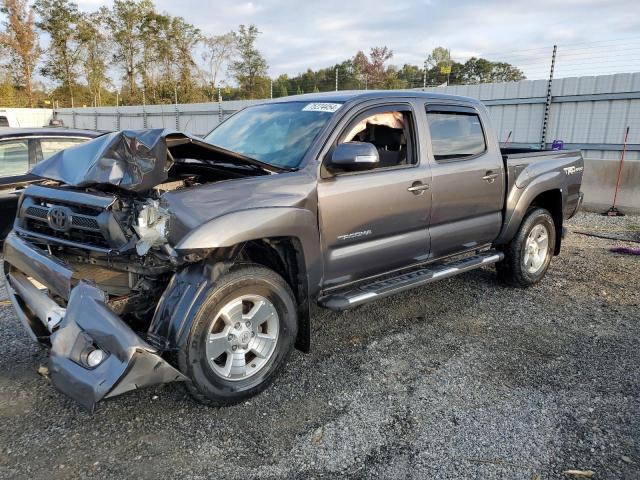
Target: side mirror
x=353, y=157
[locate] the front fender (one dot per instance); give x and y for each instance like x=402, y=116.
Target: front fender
x=258, y=223
x=519, y=200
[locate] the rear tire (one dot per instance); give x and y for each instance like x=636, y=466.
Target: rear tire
x=528, y=255
x=241, y=336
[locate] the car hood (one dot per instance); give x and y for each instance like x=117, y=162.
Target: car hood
x=134, y=160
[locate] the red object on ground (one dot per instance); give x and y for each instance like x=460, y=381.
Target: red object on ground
x=613, y=211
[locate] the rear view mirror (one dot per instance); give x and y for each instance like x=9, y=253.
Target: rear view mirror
x=353, y=157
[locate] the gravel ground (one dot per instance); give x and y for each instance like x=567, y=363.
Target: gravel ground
x=460, y=379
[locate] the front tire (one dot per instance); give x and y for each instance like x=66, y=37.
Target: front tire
x=240, y=337
x=528, y=255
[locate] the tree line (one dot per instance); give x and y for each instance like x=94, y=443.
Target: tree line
x=131, y=54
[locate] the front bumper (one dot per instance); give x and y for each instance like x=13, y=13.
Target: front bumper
x=86, y=322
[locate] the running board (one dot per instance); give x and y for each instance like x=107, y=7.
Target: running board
x=377, y=289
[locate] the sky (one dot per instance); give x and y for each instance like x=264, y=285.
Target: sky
x=593, y=36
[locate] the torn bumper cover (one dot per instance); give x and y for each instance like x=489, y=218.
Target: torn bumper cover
x=127, y=363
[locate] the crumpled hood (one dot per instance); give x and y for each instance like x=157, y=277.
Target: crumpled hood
x=134, y=160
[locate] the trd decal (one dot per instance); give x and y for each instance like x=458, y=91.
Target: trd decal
x=572, y=170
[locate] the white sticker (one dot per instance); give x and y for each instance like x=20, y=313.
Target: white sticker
x=322, y=107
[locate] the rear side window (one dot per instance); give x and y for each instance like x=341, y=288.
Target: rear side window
x=455, y=135
x=50, y=146
x=14, y=157
x=4, y=122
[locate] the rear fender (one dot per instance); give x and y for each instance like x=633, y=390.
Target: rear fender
x=519, y=200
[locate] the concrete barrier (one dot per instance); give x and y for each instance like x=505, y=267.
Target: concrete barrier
x=599, y=183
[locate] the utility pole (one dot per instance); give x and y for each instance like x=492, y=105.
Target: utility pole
x=219, y=105
x=271, y=88
x=117, y=110
x=547, y=104
x=144, y=108
x=450, y=64
x=424, y=77
x=175, y=105
x=336, y=78
x=95, y=112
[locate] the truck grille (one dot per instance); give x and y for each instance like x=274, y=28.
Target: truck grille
x=61, y=216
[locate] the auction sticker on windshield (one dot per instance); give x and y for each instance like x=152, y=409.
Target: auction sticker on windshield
x=322, y=107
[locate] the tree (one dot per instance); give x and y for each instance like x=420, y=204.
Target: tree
x=184, y=37
x=480, y=70
x=411, y=76
x=439, y=57
x=251, y=65
x=60, y=19
x=21, y=40
x=218, y=50
x=125, y=21
x=95, y=41
x=375, y=66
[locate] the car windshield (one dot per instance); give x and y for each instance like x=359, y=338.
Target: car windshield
x=277, y=133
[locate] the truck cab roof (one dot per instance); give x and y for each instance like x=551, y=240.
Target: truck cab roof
x=362, y=95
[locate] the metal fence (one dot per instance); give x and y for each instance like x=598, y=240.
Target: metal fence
x=194, y=118
x=587, y=113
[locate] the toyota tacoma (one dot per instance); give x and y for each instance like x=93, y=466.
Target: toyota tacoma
x=152, y=256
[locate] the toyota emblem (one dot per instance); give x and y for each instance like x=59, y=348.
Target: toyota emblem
x=59, y=218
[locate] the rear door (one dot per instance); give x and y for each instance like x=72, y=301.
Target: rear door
x=375, y=221
x=468, y=179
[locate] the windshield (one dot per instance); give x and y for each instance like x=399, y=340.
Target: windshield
x=277, y=133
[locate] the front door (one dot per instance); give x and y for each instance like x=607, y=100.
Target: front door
x=374, y=221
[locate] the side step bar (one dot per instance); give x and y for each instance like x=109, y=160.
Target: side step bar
x=343, y=300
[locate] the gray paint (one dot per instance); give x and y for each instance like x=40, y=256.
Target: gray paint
x=349, y=227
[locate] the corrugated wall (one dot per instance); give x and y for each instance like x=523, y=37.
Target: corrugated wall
x=589, y=113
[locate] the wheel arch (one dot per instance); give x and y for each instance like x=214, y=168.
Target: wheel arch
x=541, y=192
x=551, y=200
x=280, y=238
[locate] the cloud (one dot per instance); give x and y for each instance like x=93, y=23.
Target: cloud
x=312, y=34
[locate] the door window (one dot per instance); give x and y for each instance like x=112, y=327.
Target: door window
x=49, y=146
x=390, y=132
x=14, y=157
x=455, y=135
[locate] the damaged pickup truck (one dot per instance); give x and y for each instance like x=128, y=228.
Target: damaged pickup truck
x=152, y=256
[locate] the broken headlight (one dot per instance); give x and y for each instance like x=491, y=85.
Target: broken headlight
x=151, y=226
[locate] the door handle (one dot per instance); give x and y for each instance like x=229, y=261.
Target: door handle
x=490, y=176
x=418, y=187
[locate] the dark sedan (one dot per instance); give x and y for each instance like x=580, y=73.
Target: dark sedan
x=21, y=149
